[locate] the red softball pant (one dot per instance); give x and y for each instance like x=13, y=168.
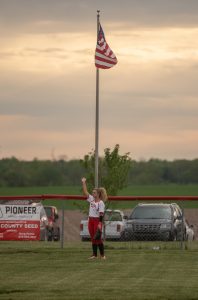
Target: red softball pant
x=92, y=226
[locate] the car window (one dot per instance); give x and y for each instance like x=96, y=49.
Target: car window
x=48, y=211
x=112, y=216
x=151, y=212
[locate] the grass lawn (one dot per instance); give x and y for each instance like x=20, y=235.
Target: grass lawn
x=41, y=270
x=136, y=190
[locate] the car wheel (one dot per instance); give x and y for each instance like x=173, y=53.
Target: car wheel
x=122, y=237
x=50, y=235
x=57, y=235
x=128, y=236
x=172, y=236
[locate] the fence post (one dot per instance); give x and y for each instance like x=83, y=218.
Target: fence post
x=62, y=227
x=182, y=229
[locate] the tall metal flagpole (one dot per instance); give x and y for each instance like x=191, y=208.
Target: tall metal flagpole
x=97, y=112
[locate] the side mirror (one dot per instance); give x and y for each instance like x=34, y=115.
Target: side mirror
x=125, y=217
x=175, y=215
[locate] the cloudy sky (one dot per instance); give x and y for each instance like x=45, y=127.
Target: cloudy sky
x=148, y=101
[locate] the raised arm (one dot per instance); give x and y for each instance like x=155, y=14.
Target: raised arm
x=84, y=187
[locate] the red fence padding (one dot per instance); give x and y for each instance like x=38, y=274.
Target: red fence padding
x=110, y=198
x=153, y=198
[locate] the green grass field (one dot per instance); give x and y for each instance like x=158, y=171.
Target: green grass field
x=138, y=190
x=40, y=270
x=44, y=271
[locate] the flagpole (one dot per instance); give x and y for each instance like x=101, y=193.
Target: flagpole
x=97, y=112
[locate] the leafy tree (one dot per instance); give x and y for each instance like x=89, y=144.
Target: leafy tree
x=113, y=169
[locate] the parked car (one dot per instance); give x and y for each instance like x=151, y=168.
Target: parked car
x=114, y=224
x=155, y=221
x=53, y=229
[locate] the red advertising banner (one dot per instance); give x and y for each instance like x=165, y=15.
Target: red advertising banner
x=19, y=230
x=19, y=222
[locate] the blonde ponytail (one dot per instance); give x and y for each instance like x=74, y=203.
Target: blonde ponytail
x=103, y=194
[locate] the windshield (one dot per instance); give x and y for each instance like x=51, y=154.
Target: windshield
x=48, y=211
x=151, y=212
x=112, y=216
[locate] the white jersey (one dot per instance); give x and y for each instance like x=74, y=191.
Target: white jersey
x=95, y=208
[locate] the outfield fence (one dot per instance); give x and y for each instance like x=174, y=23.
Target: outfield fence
x=145, y=222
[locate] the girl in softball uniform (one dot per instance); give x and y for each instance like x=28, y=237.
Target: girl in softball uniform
x=96, y=214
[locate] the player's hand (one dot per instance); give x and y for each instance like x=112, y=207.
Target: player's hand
x=83, y=180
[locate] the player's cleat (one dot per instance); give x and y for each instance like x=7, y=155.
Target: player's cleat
x=92, y=257
x=103, y=257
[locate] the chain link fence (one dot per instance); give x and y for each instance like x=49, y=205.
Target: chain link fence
x=149, y=223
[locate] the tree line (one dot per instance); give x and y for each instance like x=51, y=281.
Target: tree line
x=14, y=172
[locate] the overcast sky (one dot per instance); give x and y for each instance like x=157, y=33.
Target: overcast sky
x=148, y=101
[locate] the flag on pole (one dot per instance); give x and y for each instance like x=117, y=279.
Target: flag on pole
x=104, y=56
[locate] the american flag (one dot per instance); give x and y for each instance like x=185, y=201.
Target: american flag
x=104, y=56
